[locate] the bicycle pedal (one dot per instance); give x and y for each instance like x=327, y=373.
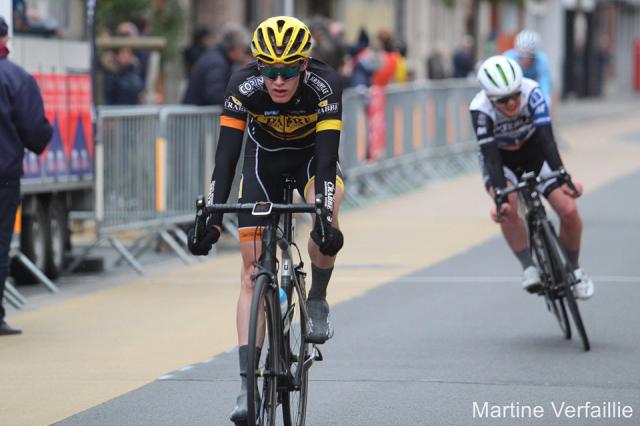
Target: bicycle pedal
x=317, y=355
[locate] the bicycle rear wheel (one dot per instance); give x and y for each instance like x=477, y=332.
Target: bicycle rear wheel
x=262, y=382
x=552, y=289
x=564, y=274
x=294, y=400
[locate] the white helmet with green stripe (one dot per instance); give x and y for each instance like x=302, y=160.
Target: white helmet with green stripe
x=500, y=76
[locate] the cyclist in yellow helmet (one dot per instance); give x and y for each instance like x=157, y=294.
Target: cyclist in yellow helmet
x=291, y=107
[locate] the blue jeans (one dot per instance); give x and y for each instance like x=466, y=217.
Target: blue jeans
x=9, y=201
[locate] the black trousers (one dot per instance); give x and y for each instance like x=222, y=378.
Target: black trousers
x=9, y=201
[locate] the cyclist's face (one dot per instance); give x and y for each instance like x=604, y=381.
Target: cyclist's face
x=280, y=89
x=509, y=107
x=526, y=61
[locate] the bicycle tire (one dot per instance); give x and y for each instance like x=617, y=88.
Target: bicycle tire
x=553, y=298
x=565, y=273
x=262, y=381
x=294, y=400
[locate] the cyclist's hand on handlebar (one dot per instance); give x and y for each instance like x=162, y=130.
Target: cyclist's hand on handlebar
x=333, y=239
x=200, y=245
x=505, y=209
x=502, y=207
x=566, y=188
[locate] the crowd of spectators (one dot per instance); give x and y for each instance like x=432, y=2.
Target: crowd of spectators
x=378, y=62
x=461, y=63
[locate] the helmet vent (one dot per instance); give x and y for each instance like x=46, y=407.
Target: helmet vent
x=490, y=78
x=262, y=42
x=272, y=39
x=502, y=74
x=287, y=37
x=298, y=41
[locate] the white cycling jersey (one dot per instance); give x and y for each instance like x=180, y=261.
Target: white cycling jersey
x=490, y=124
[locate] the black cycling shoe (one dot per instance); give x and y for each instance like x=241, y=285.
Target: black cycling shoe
x=319, y=327
x=239, y=413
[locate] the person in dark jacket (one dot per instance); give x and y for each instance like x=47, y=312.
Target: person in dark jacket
x=122, y=82
x=22, y=125
x=200, y=43
x=211, y=73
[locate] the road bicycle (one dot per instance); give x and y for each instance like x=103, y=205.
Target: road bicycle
x=556, y=272
x=281, y=375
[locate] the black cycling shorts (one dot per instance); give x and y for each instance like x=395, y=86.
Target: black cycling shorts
x=263, y=174
x=529, y=157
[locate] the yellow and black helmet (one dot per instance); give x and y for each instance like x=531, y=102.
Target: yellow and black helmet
x=281, y=40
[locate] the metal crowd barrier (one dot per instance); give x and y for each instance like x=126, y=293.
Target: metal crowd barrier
x=11, y=294
x=428, y=135
x=151, y=162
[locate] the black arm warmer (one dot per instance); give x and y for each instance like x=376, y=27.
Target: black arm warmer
x=493, y=163
x=549, y=146
x=227, y=154
x=327, y=142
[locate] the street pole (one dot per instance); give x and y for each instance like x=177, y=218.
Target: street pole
x=288, y=8
x=284, y=7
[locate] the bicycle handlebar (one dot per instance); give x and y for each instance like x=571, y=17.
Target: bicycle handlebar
x=530, y=180
x=266, y=209
x=274, y=208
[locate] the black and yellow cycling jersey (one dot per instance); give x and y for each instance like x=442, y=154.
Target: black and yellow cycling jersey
x=316, y=106
x=310, y=123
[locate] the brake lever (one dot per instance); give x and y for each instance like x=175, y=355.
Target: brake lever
x=320, y=214
x=499, y=199
x=200, y=220
x=566, y=178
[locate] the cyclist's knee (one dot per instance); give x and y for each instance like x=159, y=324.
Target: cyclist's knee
x=569, y=215
x=567, y=211
x=511, y=215
x=246, y=281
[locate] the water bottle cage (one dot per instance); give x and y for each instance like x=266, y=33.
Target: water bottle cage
x=298, y=269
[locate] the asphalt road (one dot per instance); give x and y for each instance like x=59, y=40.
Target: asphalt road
x=424, y=348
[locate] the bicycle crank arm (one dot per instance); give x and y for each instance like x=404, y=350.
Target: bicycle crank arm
x=315, y=355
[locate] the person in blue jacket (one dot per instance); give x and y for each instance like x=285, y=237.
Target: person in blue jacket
x=22, y=125
x=532, y=60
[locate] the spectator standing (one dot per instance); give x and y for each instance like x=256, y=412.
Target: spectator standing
x=390, y=57
x=403, y=74
x=129, y=29
x=200, y=42
x=327, y=42
x=210, y=75
x=364, y=61
x=22, y=125
x=435, y=64
x=603, y=68
x=122, y=82
x=463, y=63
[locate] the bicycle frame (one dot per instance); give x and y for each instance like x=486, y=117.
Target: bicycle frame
x=559, y=287
x=535, y=214
x=280, y=359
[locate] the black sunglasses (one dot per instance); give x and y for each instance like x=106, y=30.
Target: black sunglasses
x=505, y=99
x=272, y=73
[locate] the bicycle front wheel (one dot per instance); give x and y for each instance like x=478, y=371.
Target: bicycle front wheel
x=564, y=274
x=294, y=400
x=552, y=289
x=262, y=381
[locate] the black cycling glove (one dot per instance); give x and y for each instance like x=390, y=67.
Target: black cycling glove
x=333, y=238
x=203, y=243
